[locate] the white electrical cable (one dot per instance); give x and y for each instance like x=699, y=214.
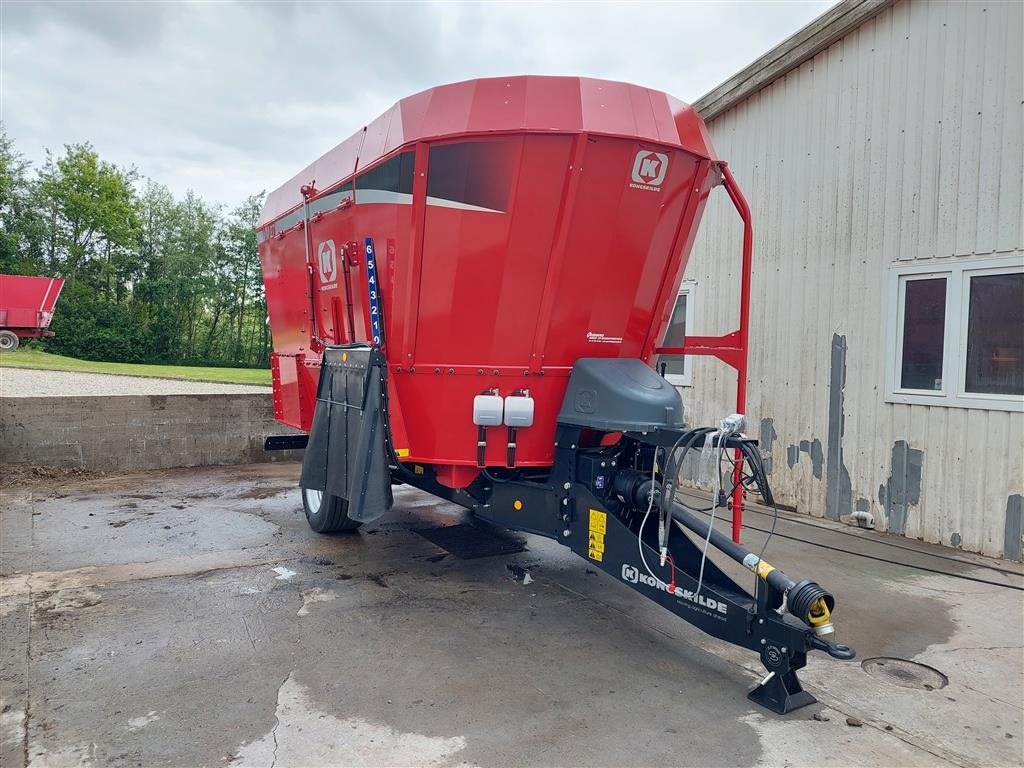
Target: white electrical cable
x=640, y=541
x=650, y=506
x=722, y=435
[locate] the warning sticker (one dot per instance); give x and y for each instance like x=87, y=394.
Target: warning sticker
x=598, y=528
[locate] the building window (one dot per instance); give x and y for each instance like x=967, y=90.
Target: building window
x=959, y=335
x=678, y=369
x=924, y=332
x=995, y=334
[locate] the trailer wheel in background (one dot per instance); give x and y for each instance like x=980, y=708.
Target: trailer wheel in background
x=326, y=513
x=8, y=341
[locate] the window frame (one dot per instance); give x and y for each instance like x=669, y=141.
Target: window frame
x=958, y=276
x=685, y=379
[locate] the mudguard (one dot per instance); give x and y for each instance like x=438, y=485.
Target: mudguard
x=347, y=455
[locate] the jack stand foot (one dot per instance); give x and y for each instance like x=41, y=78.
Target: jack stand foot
x=781, y=691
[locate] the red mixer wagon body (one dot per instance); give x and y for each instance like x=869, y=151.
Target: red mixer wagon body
x=520, y=224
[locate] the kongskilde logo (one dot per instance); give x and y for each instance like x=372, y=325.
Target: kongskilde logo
x=328, y=264
x=632, y=575
x=600, y=338
x=649, y=169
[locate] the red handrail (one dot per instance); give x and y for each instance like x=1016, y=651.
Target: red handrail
x=731, y=348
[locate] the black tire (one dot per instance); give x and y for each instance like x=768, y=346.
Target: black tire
x=8, y=341
x=325, y=513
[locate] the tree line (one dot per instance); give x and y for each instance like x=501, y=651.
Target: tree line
x=149, y=277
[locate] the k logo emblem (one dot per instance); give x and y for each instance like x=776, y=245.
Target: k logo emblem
x=327, y=261
x=649, y=168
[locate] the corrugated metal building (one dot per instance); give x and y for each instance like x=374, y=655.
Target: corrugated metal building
x=882, y=154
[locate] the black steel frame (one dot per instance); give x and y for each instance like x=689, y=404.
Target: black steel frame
x=561, y=508
x=606, y=532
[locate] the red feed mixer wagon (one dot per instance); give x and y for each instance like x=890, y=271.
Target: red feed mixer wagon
x=467, y=296
x=26, y=308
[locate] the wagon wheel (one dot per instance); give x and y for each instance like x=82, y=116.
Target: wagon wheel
x=326, y=513
x=8, y=341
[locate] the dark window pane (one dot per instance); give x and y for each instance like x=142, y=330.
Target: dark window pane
x=394, y=175
x=675, y=337
x=924, y=328
x=995, y=335
x=477, y=173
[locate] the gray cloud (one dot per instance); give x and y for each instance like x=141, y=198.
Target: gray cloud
x=122, y=25
x=231, y=98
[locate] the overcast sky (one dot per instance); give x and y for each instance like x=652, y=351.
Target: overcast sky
x=232, y=98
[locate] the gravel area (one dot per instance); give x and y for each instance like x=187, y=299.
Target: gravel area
x=28, y=382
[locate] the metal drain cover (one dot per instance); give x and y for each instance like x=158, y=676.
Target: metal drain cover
x=904, y=673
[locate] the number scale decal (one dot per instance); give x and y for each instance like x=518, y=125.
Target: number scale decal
x=373, y=287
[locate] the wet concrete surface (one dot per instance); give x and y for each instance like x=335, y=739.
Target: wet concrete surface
x=190, y=617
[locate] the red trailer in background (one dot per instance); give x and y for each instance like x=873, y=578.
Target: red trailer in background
x=26, y=308
x=469, y=296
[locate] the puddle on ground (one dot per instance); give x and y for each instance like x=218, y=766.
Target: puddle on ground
x=815, y=742
x=264, y=492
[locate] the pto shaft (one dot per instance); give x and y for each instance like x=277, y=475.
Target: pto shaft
x=805, y=600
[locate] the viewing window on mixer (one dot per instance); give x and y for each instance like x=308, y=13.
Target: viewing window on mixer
x=679, y=368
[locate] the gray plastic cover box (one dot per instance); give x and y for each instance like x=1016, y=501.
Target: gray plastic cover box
x=619, y=395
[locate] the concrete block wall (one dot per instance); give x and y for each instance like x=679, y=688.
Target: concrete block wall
x=127, y=432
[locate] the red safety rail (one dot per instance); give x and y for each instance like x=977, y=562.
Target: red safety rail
x=731, y=348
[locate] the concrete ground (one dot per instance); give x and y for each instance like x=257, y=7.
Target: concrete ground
x=29, y=382
x=189, y=617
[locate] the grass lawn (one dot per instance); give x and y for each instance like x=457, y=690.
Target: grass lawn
x=34, y=358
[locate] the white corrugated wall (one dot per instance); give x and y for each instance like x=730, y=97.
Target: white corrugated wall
x=901, y=141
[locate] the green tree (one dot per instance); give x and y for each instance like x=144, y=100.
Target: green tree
x=194, y=267
x=92, y=215
x=180, y=253
x=156, y=288
x=249, y=336
x=21, y=227
x=92, y=327
x=148, y=277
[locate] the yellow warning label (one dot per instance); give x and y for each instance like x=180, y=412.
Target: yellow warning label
x=595, y=540
x=401, y=452
x=417, y=469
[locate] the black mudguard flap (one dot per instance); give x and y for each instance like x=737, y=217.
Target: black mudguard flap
x=346, y=455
